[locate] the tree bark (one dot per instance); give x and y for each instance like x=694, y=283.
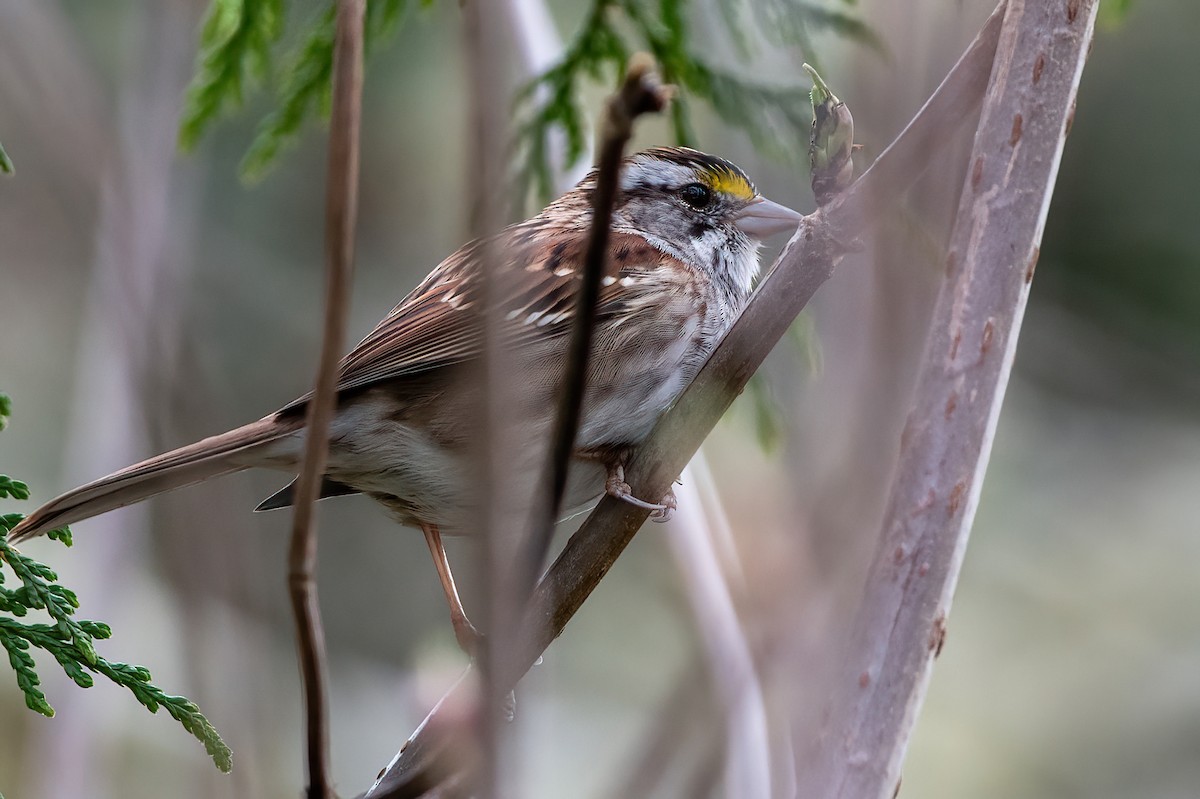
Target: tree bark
x=901, y=625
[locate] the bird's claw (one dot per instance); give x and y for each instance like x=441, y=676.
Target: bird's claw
x=666, y=508
x=616, y=487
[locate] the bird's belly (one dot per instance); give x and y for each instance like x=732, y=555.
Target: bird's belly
x=393, y=462
x=627, y=417
x=419, y=480
x=623, y=409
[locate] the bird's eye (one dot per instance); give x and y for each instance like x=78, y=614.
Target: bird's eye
x=697, y=195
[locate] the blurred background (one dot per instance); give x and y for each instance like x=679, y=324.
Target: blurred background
x=149, y=298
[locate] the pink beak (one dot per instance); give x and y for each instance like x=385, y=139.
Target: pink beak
x=762, y=218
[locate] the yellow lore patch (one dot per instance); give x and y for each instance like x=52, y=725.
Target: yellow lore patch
x=726, y=182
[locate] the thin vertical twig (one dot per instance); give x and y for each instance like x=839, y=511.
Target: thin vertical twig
x=487, y=774
x=640, y=93
x=699, y=533
x=341, y=207
x=901, y=625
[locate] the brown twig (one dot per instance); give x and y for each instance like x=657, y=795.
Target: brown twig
x=804, y=265
x=341, y=206
x=901, y=624
x=674, y=724
x=477, y=756
x=641, y=93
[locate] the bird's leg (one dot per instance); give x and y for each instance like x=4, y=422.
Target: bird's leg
x=615, y=486
x=465, y=632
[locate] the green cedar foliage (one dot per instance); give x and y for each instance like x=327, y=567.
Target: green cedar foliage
x=69, y=640
x=239, y=37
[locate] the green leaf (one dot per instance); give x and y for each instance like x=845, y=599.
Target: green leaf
x=71, y=641
x=62, y=535
x=308, y=80
x=1113, y=12
x=307, y=88
x=384, y=18
x=5, y=410
x=793, y=21
x=765, y=411
x=14, y=489
x=23, y=665
x=6, y=167
x=235, y=46
x=182, y=709
x=777, y=118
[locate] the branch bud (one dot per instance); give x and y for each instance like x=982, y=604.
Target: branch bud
x=831, y=143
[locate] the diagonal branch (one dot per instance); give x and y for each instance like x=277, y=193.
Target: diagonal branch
x=900, y=627
x=805, y=264
x=341, y=206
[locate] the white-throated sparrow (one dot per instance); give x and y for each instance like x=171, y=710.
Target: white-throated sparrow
x=682, y=254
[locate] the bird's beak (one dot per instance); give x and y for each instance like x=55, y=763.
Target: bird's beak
x=762, y=218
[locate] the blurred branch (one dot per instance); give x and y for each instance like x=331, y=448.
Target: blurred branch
x=805, y=264
x=901, y=625
x=693, y=542
x=480, y=765
x=341, y=206
x=676, y=720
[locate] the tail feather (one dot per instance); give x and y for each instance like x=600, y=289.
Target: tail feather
x=286, y=496
x=193, y=463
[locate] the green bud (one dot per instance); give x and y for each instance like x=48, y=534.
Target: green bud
x=832, y=140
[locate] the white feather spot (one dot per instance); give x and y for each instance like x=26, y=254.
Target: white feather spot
x=608, y=281
x=628, y=281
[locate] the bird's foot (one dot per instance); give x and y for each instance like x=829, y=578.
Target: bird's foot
x=616, y=487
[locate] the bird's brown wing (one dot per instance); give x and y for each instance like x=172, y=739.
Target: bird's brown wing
x=439, y=324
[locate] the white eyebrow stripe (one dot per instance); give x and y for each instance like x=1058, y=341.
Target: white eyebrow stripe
x=655, y=173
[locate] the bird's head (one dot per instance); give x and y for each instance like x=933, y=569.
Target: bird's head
x=700, y=208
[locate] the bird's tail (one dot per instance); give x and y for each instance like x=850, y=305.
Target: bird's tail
x=222, y=454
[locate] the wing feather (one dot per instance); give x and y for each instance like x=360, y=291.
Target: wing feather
x=439, y=323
